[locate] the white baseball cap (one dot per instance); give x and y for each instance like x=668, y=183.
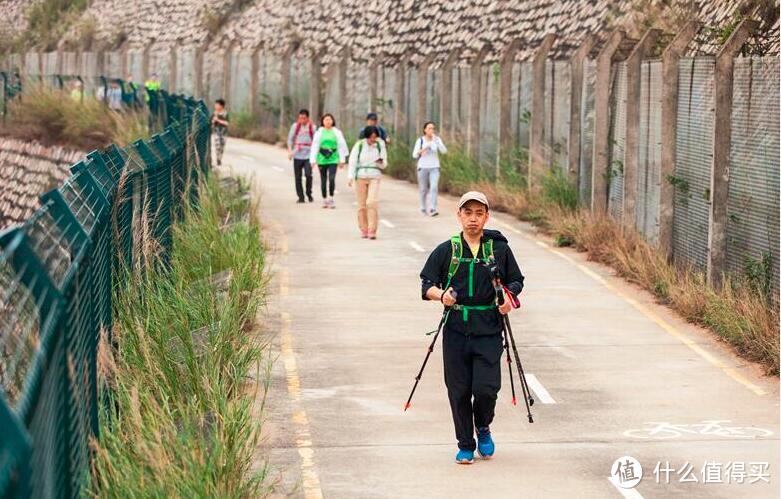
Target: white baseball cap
x=473, y=196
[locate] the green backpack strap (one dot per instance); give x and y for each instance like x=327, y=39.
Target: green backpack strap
x=358, y=159
x=488, y=250
x=457, y=250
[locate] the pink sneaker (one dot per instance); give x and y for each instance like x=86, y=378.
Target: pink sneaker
x=364, y=234
x=372, y=235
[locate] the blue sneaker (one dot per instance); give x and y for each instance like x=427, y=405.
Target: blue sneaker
x=485, y=444
x=465, y=456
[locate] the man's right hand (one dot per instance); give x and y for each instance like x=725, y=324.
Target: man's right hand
x=447, y=297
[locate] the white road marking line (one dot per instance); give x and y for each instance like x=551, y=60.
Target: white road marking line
x=278, y=168
x=540, y=390
x=628, y=493
x=246, y=158
x=387, y=223
x=417, y=247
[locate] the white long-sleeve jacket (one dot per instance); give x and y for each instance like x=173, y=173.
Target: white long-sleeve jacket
x=363, y=159
x=427, y=151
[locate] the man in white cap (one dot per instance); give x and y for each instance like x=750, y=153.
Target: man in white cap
x=457, y=275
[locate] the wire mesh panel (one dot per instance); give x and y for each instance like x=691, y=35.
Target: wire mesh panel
x=135, y=65
x=410, y=106
x=560, y=115
x=113, y=63
x=433, y=93
x=524, y=102
x=587, y=130
x=241, y=70
x=358, y=97
x=331, y=94
x=617, y=143
x=185, y=70
x=270, y=97
x=489, y=114
x=56, y=277
x=649, y=150
x=694, y=156
x=547, y=113
x=461, y=95
x=753, y=206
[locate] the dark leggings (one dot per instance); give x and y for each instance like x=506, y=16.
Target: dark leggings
x=327, y=172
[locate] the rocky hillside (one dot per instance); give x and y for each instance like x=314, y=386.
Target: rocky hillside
x=27, y=170
x=388, y=29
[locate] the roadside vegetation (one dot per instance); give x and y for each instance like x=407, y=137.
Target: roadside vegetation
x=744, y=312
x=245, y=125
x=50, y=116
x=182, y=418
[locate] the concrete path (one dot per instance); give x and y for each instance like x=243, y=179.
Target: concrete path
x=610, y=364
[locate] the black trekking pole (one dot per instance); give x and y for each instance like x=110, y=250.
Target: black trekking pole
x=509, y=366
x=524, y=385
x=445, y=315
x=527, y=397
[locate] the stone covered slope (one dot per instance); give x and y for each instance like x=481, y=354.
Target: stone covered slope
x=390, y=28
x=27, y=170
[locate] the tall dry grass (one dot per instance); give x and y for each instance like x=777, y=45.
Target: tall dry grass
x=51, y=116
x=180, y=419
x=740, y=313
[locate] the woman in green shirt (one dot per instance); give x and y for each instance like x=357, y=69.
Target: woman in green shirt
x=329, y=151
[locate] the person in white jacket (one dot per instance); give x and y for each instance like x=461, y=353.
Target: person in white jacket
x=427, y=150
x=329, y=151
x=367, y=160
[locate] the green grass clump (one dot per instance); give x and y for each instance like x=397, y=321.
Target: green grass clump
x=180, y=421
x=246, y=125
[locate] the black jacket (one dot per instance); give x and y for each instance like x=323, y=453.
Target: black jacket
x=479, y=322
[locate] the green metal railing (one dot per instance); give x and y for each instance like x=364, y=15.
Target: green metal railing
x=57, y=272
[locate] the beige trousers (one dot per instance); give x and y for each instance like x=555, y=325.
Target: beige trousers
x=368, y=193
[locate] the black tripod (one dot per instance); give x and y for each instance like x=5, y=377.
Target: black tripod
x=508, y=333
x=445, y=314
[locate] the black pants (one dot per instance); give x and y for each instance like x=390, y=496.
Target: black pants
x=327, y=173
x=302, y=166
x=473, y=378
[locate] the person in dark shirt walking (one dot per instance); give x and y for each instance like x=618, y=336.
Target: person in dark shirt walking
x=299, y=142
x=457, y=275
x=220, y=128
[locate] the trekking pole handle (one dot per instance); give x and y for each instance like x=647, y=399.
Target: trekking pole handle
x=453, y=293
x=499, y=292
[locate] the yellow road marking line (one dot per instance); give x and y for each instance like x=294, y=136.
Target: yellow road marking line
x=303, y=437
x=310, y=481
x=666, y=326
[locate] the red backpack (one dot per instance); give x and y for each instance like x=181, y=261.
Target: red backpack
x=298, y=129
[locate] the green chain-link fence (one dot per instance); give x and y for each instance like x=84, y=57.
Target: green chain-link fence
x=57, y=272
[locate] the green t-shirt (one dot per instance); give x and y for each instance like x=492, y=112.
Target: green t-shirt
x=328, y=142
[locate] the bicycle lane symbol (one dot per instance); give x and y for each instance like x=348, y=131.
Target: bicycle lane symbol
x=706, y=428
